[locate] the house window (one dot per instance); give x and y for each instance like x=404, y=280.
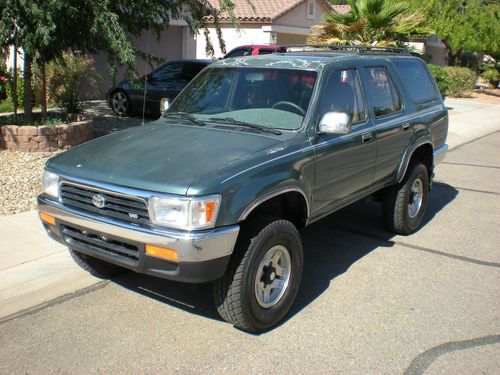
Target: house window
x=311, y=9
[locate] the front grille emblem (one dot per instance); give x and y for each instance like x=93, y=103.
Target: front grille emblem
x=98, y=200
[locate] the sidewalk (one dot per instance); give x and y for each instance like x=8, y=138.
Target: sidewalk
x=35, y=269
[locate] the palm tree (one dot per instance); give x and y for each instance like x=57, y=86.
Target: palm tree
x=371, y=22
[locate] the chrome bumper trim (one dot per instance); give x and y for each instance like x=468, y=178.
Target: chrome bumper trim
x=196, y=246
x=440, y=153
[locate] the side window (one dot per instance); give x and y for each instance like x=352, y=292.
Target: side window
x=264, y=51
x=239, y=52
x=168, y=72
x=343, y=94
x=383, y=94
x=416, y=80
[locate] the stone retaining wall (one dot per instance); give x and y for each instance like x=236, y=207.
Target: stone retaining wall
x=45, y=138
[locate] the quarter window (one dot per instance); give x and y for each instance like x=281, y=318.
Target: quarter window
x=383, y=94
x=416, y=80
x=343, y=94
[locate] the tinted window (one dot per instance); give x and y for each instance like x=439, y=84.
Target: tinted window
x=265, y=51
x=383, y=94
x=416, y=80
x=343, y=94
x=239, y=52
x=168, y=72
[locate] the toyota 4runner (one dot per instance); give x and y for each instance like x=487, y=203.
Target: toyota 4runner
x=252, y=151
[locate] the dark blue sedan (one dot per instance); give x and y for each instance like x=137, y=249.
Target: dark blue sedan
x=165, y=82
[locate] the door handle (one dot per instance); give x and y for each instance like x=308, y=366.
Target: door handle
x=366, y=137
x=406, y=126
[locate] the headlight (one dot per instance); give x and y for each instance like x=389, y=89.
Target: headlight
x=50, y=182
x=185, y=213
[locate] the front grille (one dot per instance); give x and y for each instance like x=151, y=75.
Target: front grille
x=124, y=209
x=83, y=238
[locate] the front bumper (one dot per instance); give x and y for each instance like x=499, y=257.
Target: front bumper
x=202, y=255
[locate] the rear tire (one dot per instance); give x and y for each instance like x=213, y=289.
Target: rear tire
x=405, y=203
x=263, y=276
x=95, y=266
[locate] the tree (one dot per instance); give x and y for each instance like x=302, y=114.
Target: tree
x=471, y=25
x=372, y=22
x=44, y=30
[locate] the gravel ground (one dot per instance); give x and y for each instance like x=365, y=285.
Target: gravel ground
x=21, y=172
x=20, y=180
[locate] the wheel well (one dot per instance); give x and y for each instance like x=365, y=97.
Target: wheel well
x=424, y=154
x=291, y=206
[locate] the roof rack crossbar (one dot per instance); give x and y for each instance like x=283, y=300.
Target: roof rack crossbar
x=339, y=47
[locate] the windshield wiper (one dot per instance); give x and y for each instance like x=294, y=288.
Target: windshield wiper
x=187, y=116
x=232, y=121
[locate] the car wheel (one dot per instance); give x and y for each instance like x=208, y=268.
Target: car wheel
x=263, y=276
x=405, y=204
x=95, y=266
x=120, y=103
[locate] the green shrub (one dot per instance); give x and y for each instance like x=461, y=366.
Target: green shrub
x=461, y=81
x=492, y=76
x=67, y=79
x=441, y=77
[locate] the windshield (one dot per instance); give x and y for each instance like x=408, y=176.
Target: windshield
x=271, y=98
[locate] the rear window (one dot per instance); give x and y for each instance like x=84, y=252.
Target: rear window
x=416, y=80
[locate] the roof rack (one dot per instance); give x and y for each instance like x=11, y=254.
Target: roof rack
x=290, y=48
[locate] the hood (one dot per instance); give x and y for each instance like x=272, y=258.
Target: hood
x=161, y=157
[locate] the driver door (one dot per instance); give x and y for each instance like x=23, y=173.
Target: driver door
x=345, y=164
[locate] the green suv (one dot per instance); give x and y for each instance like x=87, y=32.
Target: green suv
x=252, y=151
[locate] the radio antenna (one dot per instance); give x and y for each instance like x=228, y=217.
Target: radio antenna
x=145, y=75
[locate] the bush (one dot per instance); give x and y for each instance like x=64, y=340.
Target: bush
x=67, y=78
x=492, y=76
x=441, y=77
x=453, y=81
x=461, y=80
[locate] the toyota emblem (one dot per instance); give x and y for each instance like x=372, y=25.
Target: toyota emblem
x=98, y=201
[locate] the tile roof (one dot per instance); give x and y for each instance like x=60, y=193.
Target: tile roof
x=342, y=9
x=265, y=10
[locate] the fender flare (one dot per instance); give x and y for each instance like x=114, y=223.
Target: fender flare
x=407, y=157
x=274, y=193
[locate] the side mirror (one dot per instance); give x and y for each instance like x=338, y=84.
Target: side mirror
x=335, y=123
x=164, y=104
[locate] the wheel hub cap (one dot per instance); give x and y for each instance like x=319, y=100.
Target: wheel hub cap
x=273, y=276
x=416, y=198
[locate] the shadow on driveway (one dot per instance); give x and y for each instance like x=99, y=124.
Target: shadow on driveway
x=329, y=251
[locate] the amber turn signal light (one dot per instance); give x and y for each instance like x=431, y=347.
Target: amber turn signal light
x=162, y=252
x=46, y=218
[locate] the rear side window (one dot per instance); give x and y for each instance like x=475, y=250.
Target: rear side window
x=416, y=80
x=239, y=52
x=384, y=96
x=265, y=51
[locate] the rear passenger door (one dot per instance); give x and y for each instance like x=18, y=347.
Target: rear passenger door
x=387, y=110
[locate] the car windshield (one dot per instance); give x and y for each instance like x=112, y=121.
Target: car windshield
x=268, y=97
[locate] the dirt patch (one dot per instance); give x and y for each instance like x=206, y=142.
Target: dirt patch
x=487, y=96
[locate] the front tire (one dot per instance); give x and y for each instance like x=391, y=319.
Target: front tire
x=405, y=204
x=96, y=267
x=263, y=276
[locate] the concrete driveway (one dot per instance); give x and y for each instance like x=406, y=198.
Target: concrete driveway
x=370, y=302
